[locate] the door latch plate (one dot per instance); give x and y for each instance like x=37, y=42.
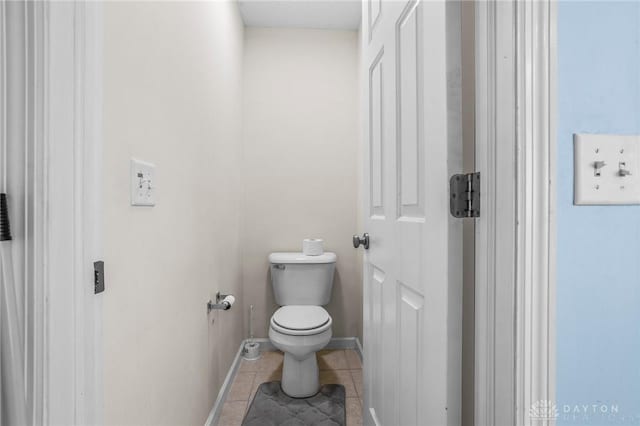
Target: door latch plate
x=98, y=277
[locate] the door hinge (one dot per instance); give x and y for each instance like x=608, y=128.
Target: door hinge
x=98, y=277
x=464, y=198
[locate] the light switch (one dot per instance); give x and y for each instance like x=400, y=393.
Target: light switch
x=142, y=183
x=606, y=169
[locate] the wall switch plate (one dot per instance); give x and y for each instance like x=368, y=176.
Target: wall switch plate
x=142, y=183
x=606, y=169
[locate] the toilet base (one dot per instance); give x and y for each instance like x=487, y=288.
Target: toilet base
x=300, y=375
x=300, y=378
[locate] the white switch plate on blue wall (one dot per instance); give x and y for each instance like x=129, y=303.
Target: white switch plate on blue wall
x=606, y=169
x=142, y=183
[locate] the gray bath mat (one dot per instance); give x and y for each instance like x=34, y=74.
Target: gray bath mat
x=272, y=407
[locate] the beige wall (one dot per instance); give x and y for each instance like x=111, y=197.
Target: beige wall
x=300, y=161
x=172, y=90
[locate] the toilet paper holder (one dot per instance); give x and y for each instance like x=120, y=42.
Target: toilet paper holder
x=221, y=303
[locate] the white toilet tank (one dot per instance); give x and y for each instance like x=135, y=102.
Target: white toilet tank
x=302, y=280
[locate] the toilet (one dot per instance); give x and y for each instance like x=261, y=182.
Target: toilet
x=301, y=326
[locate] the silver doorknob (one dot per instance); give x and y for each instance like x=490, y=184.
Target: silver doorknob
x=364, y=240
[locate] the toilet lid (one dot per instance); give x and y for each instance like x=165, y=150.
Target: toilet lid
x=301, y=317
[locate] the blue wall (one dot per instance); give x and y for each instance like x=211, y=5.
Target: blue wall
x=598, y=287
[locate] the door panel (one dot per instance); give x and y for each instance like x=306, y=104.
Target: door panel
x=410, y=342
x=375, y=7
x=374, y=342
x=413, y=283
x=409, y=140
x=376, y=136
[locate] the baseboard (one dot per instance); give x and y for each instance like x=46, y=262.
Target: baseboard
x=343, y=343
x=267, y=346
x=358, y=348
x=334, y=343
x=216, y=410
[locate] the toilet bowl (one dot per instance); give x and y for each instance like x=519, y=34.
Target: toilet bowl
x=301, y=285
x=300, y=331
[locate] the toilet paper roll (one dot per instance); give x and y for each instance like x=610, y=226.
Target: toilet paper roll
x=312, y=247
x=229, y=301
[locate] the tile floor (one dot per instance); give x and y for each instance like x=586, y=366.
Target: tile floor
x=336, y=366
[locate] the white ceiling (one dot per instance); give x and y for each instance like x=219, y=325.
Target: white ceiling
x=321, y=14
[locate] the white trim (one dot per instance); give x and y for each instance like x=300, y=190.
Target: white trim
x=24, y=46
x=358, y=348
x=334, y=343
x=91, y=13
x=515, y=133
x=3, y=138
x=73, y=136
x=37, y=210
x=536, y=47
x=266, y=346
x=496, y=228
x=216, y=410
x=484, y=329
x=3, y=93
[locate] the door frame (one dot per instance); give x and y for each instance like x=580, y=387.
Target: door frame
x=516, y=46
x=70, y=68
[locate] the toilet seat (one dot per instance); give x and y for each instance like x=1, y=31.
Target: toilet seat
x=301, y=320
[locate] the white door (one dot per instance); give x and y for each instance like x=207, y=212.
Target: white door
x=413, y=268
